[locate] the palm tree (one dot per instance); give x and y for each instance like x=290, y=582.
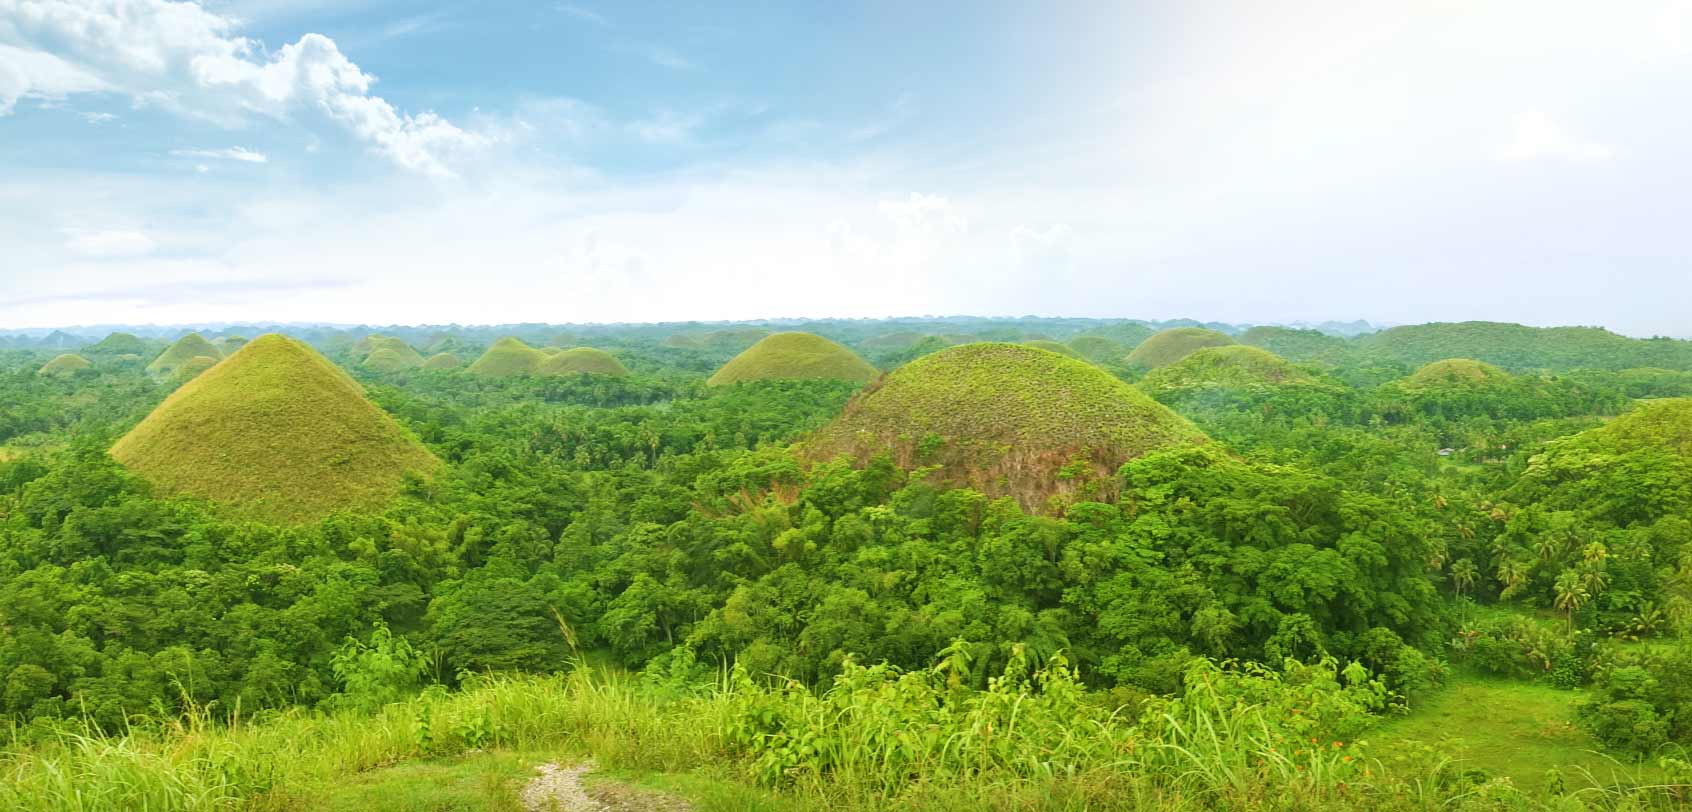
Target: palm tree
x=1571, y=595
x=1463, y=575
x=1594, y=578
x=1548, y=546
x=1594, y=552
x=1513, y=574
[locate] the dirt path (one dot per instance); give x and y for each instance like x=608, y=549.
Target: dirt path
x=560, y=789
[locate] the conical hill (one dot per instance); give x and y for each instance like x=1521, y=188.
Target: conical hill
x=1456, y=373
x=580, y=360
x=1168, y=346
x=1236, y=366
x=795, y=356
x=507, y=357
x=64, y=366
x=1004, y=419
x=275, y=432
x=186, y=349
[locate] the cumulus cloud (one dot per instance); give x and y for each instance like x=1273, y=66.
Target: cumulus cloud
x=925, y=213
x=229, y=154
x=1537, y=137
x=109, y=244
x=182, y=57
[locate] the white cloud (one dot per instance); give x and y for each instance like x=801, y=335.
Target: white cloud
x=228, y=154
x=97, y=118
x=27, y=73
x=183, y=57
x=1537, y=137
x=118, y=243
x=925, y=213
x=666, y=127
x=585, y=14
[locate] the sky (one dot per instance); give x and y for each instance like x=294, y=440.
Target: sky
x=377, y=162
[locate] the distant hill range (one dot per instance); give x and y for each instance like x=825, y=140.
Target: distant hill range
x=889, y=342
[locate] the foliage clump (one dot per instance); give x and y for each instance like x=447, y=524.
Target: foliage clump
x=1169, y=346
x=1456, y=373
x=276, y=433
x=507, y=357
x=1005, y=419
x=64, y=366
x=1232, y=367
x=795, y=356
x=582, y=360
x=186, y=349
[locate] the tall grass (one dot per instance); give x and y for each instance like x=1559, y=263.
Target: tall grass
x=877, y=739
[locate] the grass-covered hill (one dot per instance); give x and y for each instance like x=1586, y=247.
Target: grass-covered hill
x=1631, y=471
x=120, y=344
x=795, y=356
x=1099, y=349
x=186, y=349
x=1004, y=419
x=1296, y=345
x=275, y=432
x=1456, y=373
x=1232, y=367
x=1518, y=347
x=386, y=354
x=229, y=344
x=442, y=360
x=1052, y=346
x=582, y=360
x=194, y=366
x=507, y=357
x=1169, y=346
x=64, y=366
x=728, y=340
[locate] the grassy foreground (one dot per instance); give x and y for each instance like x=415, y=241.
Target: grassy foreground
x=878, y=739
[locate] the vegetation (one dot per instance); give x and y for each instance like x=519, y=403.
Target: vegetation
x=1516, y=347
x=794, y=356
x=119, y=344
x=278, y=433
x=995, y=577
x=1296, y=345
x=583, y=361
x=1172, y=345
x=186, y=349
x=1053, y=346
x=1099, y=349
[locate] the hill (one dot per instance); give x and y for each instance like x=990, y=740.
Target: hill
x=794, y=356
x=1296, y=345
x=582, y=360
x=229, y=344
x=1172, y=345
x=64, y=366
x=442, y=360
x=1518, y=347
x=508, y=356
x=1632, y=471
x=1232, y=367
x=1456, y=373
x=119, y=344
x=1053, y=346
x=1004, y=419
x=186, y=349
x=194, y=366
x=388, y=360
x=1099, y=349
x=278, y=433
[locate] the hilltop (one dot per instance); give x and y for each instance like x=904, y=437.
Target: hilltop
x=64, y=366
x=508, y=356
x=119, y=344
x=1631, y=471
x=186, y=349
x=582, y=360
x=1295, y=344
x=276, y=432
x=193, y=367
x=1456, y=373
x=794, y=356
x=442, y=360
x=1053, y=346
x=1235, y=366
x=385, y=354
x=1172, y=345
x=1004, y=419
x=1099, y=349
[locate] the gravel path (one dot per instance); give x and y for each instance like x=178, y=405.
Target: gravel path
x=560, y=789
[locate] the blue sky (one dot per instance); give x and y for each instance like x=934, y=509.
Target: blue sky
x=385, y=162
